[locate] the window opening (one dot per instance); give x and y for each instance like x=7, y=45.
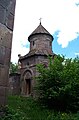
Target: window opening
x=33, y=43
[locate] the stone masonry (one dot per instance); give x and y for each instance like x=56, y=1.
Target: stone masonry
x=7, y=8
x=40, y=47
x=14, y=84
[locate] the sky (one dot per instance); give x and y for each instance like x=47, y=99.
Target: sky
x=59, y=17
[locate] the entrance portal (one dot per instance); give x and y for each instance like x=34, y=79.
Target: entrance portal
x=26, y=83
x=28, y=86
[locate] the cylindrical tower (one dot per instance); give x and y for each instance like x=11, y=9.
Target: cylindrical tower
x=41, y=39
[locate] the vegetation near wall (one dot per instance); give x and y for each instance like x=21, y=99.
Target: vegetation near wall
x=13, y=67
x=58, y=84
x=23, y=108
x=57, y=88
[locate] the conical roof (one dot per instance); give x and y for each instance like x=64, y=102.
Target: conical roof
x=40, y=30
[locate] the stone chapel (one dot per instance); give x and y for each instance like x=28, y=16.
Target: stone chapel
x=40, y=47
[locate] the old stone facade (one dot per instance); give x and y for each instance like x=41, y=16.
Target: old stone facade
x=14, y=84
x=7, y=8
x=40, y=47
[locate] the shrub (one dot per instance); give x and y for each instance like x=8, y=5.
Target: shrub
x=58, y=84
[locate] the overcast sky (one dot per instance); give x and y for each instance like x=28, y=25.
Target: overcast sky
x=59, y=17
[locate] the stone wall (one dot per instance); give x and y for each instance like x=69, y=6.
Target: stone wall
x=29, y=64
x=7, y=8
x=14, y=84
x=41, y=42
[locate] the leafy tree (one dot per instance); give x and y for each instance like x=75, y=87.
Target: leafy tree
x=13, y=67
x=58, y=84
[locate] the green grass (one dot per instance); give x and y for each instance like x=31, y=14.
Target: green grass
x=22, y=108
x=28, y=107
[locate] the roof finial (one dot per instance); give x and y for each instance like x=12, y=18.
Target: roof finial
x=40, y=20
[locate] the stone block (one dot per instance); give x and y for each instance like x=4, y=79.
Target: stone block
x=14, y=84
x=4, y=75
x=5, y=36
x=7, y=56
x=3, y=91
x=7, y=10
x=9, y=5
x=5, y=3
x=7, y=39
x=12, y=7
x=9, y=22
x=2, y=54
x=5, y=44
x=3, y=100
x=2, y=14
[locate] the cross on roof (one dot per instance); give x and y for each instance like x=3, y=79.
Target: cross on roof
x=40, y=20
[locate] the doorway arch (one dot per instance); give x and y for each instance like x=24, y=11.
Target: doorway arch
x=26, y=85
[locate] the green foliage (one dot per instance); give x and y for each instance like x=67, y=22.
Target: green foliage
x=11, y=114
x=28, y=108
x=13, y=67
x=21, y=108
x=58, y=84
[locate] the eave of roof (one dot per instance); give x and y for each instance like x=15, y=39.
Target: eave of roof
x=38, y=53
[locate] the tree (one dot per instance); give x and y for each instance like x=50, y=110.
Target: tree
x=13, y=67
x=58, y=85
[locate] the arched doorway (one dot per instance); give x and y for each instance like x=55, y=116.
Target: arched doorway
x=26, y=86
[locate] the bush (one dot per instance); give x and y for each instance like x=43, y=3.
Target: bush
x=58, y=84
x=10, y=114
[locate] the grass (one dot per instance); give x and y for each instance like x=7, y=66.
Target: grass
x=28, y=107
x=22, y=108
